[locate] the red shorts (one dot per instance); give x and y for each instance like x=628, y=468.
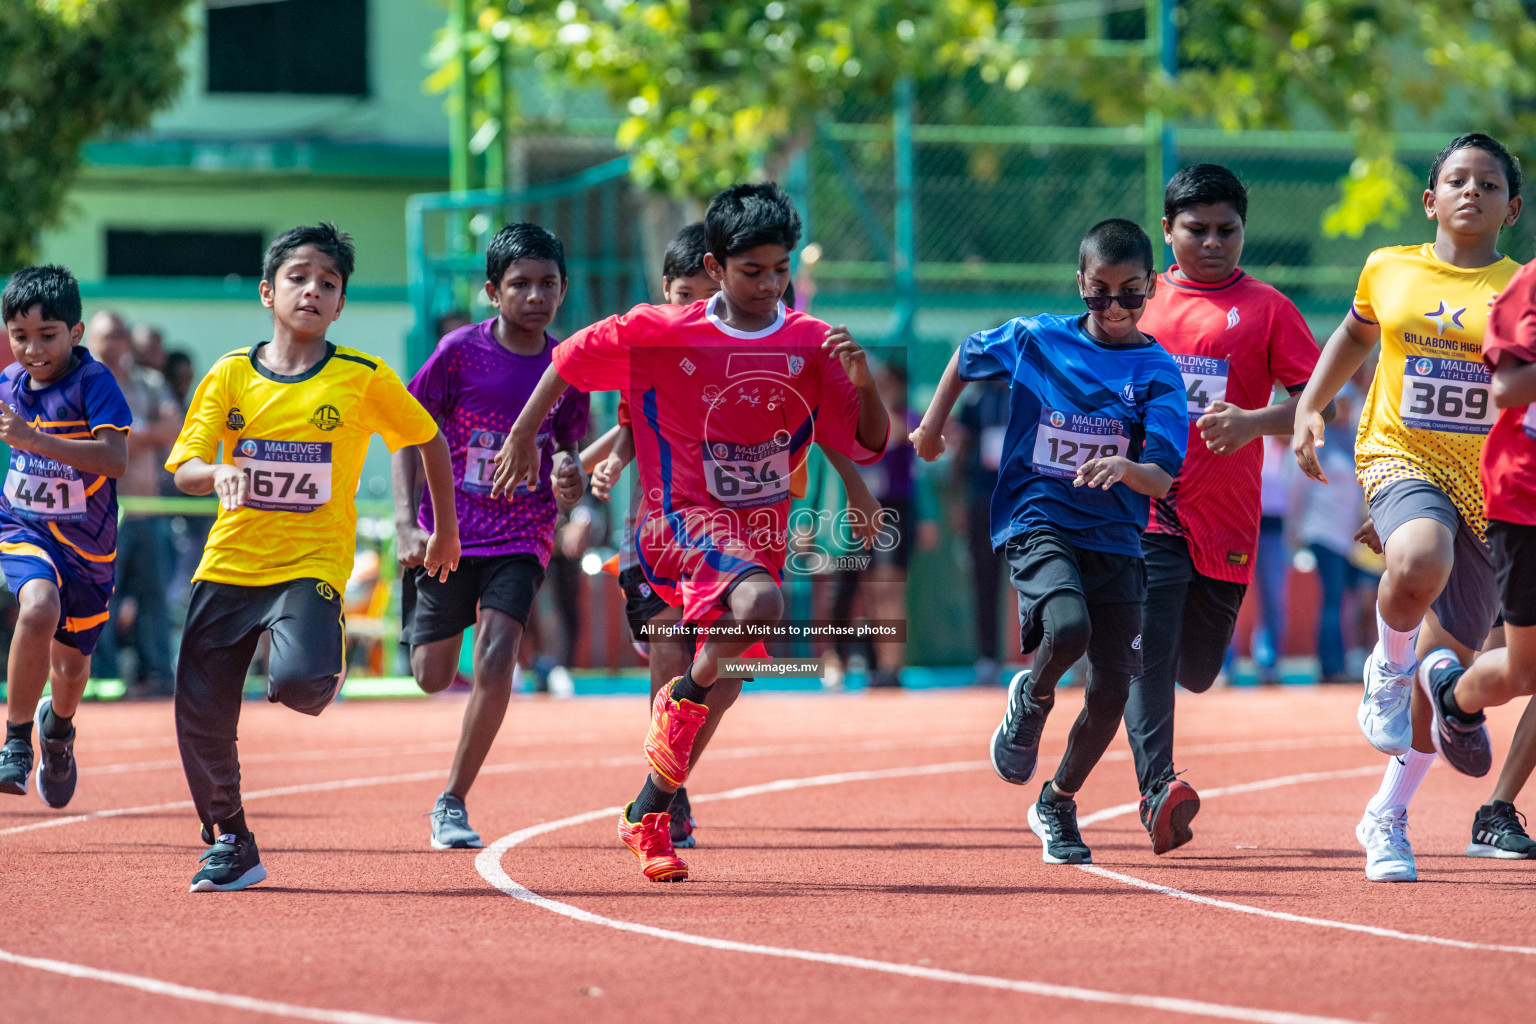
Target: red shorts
x=692, y=560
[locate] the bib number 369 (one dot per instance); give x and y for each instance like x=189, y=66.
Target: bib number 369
x=1450, y=395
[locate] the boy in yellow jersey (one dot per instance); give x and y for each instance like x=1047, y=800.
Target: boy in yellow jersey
x=294, y=417
x=1421, y=439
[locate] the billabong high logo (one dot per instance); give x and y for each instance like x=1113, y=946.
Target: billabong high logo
x=327, y=417
x=1445, y=315
x=248, y=448
x=1057, y=419
x=1423, y=367
x=234, y=421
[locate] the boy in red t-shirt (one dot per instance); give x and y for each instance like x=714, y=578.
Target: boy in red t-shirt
x=1234, y=338
x=725, y=398
x=1458, y=696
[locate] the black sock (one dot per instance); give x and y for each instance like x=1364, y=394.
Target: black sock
x=1050, y=796
x=234, y=824
x=652, y=799
x=18, y=731
x=1451, y=709
x=686, y=689
x=56, y=726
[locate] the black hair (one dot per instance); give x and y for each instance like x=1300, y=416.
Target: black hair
x=521, y=242
x=685, y=253
x=52, y=287
x=325, y=237
x=1204, y=185
x=1493, y=147
x=746, y=216
x=176, y=357
x=1113, y=242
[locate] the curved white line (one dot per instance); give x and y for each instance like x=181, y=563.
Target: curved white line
x=488, y=863
x=198, y=995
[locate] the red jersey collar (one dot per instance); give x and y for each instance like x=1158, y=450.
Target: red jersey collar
x=1197, y=286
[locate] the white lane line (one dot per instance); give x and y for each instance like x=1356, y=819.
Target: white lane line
x=627, y=760
x=223, y=1000
x=488, y=863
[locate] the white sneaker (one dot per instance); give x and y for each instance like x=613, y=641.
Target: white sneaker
x=1388, y=857
x=1383, y=713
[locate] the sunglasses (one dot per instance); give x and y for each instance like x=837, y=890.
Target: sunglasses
x=1099, y=303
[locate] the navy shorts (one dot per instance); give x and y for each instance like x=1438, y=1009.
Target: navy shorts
x=82, y=601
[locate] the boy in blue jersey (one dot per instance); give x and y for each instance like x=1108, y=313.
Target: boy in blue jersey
x=1097, y=427
x=67, y=424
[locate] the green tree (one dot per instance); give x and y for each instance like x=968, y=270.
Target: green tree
x=73, y=70
x=712, y=92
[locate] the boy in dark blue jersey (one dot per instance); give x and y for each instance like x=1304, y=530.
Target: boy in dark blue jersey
x=1097, y=427
x=67, y=424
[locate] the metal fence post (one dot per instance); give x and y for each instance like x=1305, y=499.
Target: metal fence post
x=904, y=257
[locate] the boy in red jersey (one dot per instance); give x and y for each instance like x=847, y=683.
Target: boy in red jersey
x=1456, y=695
x=1234, y=338
x=726, y=397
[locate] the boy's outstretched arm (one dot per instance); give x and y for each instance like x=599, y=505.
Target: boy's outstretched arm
x=405, y=476
x=198, y=477
x=518, y=461
x=1226, y=427
x=593, y=454
x=442, y=554
x=866, y=522
x=1349, y=347
x=874, y=423
x=106, y=454
x=607, y=469
x=1142, y=477
x=928, y=438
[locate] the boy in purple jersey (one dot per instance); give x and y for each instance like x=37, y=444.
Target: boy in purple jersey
x=67, y=424
x=474, y=385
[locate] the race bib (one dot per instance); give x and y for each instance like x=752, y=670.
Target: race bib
x=992, y=447
x=285, y=476
x=480, y=460
x=40, y=488
x=1447, y=394
x=1530, y=421
x=1205, y=381
x=747, y=475
x=1066, y=440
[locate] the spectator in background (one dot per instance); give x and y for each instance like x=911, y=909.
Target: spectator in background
x=149, y=347
x=983, y=417
x=1272, y=561
x=189, y=534
x=179, y=377
x=142, y=540
x=452, y=321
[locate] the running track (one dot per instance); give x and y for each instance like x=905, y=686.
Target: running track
x=860, y=862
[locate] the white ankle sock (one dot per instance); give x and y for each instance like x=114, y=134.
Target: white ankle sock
x=1396, y=648
x=1401, y=781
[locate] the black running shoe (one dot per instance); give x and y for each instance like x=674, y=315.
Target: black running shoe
x=1016, y=742
x=57, y=772
x=1056, y=825
x=1167, y=811
x=1498, y=831
x=682, y=821
x=229, y=864
x=15, y=766
x=1464, y=745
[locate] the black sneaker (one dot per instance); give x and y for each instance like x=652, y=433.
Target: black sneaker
x=1056, y=825
x=682, y=821
x=1498, y=832
x=57, y=772
x=1166, y=812
x=15, y=766
x=1464, y=745
x=231, y=863
x=1016, y=743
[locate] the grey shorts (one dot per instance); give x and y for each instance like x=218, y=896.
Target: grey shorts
x=1469, y=603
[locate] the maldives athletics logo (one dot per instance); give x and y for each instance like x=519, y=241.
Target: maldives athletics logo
x=1057, y=419
x=248, y=448
x=1424, y=367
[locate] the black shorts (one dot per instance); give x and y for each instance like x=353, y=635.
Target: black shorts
x=431, y=610
x=1043, y=563
x=1514, y=560
x=1207, y=614
x=641, y=602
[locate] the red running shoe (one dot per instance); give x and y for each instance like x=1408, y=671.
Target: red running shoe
x=651, y=840
x=1166, y=813
x=669, y=743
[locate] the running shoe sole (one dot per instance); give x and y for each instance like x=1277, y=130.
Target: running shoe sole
x=1492, y=852
x=1038, y=828
x=1170, y=829
x=475, y=844
x=1018, y=681
x=1401, y=740
x=251, y=877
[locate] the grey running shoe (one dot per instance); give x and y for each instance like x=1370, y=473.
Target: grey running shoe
x=57, y=772
x=15, y=767
x=1464, y=745
x=1383, y=712
x=450, y=826
x=1016, y=742
x=1056, y=825
x=229, y=864
x=1498, y=831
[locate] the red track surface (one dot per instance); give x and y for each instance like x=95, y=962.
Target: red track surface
x=918, y=874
